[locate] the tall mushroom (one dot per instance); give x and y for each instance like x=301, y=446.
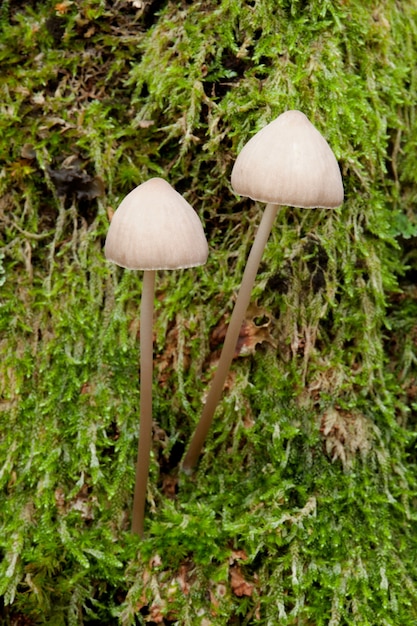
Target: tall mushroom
x=153, y=228
x=288, y=162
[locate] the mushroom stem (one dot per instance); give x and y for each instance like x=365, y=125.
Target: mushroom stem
x=232, y=335
x=145, y=425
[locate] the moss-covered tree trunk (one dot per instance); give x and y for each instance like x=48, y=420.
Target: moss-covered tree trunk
x=302, y=509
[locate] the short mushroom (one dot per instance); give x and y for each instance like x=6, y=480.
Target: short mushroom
x=288, y=162
x=153, y=228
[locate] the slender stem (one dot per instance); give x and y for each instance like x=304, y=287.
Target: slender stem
x=232, y=335
x=145, y=425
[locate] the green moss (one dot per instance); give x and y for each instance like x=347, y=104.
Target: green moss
x=302, y=509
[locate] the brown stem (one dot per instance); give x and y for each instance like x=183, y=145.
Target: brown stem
x=232, y=335
x=145, y=424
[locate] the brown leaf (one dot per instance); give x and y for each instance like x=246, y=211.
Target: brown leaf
x=254, y=331
x=86, y=388
x=240, y=586
x=62, y=7
x=238, y=555
x=183, y=578
x=155, y=613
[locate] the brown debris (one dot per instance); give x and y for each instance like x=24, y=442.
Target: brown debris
x=255, y=330
x=75, y=183
x=240, y=586
x=345, y=433
x=82, y=502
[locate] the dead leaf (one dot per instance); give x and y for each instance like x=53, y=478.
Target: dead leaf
x=62, y=7
x=240, y=586
x=90, y=32
x=86, y=388
x=74, y=182
x=255, y=330
x=28, y=152
x=156, y=614
x=238, y=555
x=183, y=578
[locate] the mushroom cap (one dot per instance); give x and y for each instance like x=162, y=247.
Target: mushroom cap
x=154, y=228
x=289, y=162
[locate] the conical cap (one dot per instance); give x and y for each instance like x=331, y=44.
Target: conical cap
x=288, y=162
x=153, y=228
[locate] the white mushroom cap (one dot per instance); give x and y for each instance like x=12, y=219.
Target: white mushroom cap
x=288, y=162
x=154, y=228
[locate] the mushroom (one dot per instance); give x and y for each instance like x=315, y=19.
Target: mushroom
x=288, y=162
x=153, y=228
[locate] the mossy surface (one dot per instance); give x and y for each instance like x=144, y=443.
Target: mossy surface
x=302, y=510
